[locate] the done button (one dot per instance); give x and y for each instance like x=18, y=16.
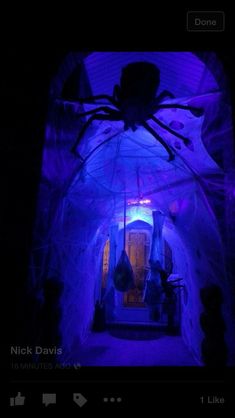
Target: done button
x=205, y=21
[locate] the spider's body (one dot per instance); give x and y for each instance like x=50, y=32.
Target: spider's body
x=133, y=112
x=135, y=102
x=137, y=91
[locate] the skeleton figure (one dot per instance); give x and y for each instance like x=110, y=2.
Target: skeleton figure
x=135, y=102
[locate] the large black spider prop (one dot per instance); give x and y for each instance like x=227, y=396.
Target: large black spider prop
x=135, y=102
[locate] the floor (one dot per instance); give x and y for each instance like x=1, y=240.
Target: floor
x=104, y=349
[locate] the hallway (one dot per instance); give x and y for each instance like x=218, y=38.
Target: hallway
x=135, y=208
x=103, y=349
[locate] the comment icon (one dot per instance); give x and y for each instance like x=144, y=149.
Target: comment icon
x=49, y=399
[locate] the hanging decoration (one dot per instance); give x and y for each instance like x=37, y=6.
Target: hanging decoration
x=123, y=274
x=153, y=290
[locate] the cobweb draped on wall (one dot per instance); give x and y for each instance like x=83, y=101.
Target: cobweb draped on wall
x=79, y=201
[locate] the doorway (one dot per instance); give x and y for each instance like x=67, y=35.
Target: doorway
x=137, y=248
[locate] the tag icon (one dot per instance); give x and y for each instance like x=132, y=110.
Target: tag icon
x=79, y=399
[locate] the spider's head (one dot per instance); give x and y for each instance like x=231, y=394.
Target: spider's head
x=139, y=80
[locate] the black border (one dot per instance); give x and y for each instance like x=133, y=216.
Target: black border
x=29, y=71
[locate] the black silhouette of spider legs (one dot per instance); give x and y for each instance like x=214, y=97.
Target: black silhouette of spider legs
x=105, y=109
x=164, y=94
x=93, y=99
x=114, y=116
x=171, y=131
x=196, y=111
x=159, y=139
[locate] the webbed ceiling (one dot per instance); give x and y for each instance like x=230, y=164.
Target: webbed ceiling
x=182, y=73
x=119, y=162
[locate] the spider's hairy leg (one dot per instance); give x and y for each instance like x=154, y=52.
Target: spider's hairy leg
x=114, y=116
x=105, y=109
x=93, y=99
x=163, y=95
x=196, y=111
x=159, y=139
x=171, y=131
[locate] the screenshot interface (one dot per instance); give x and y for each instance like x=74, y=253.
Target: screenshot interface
x=123, y=278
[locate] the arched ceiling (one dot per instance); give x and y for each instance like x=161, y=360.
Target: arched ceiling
x=118, y=161
x=182, y=73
